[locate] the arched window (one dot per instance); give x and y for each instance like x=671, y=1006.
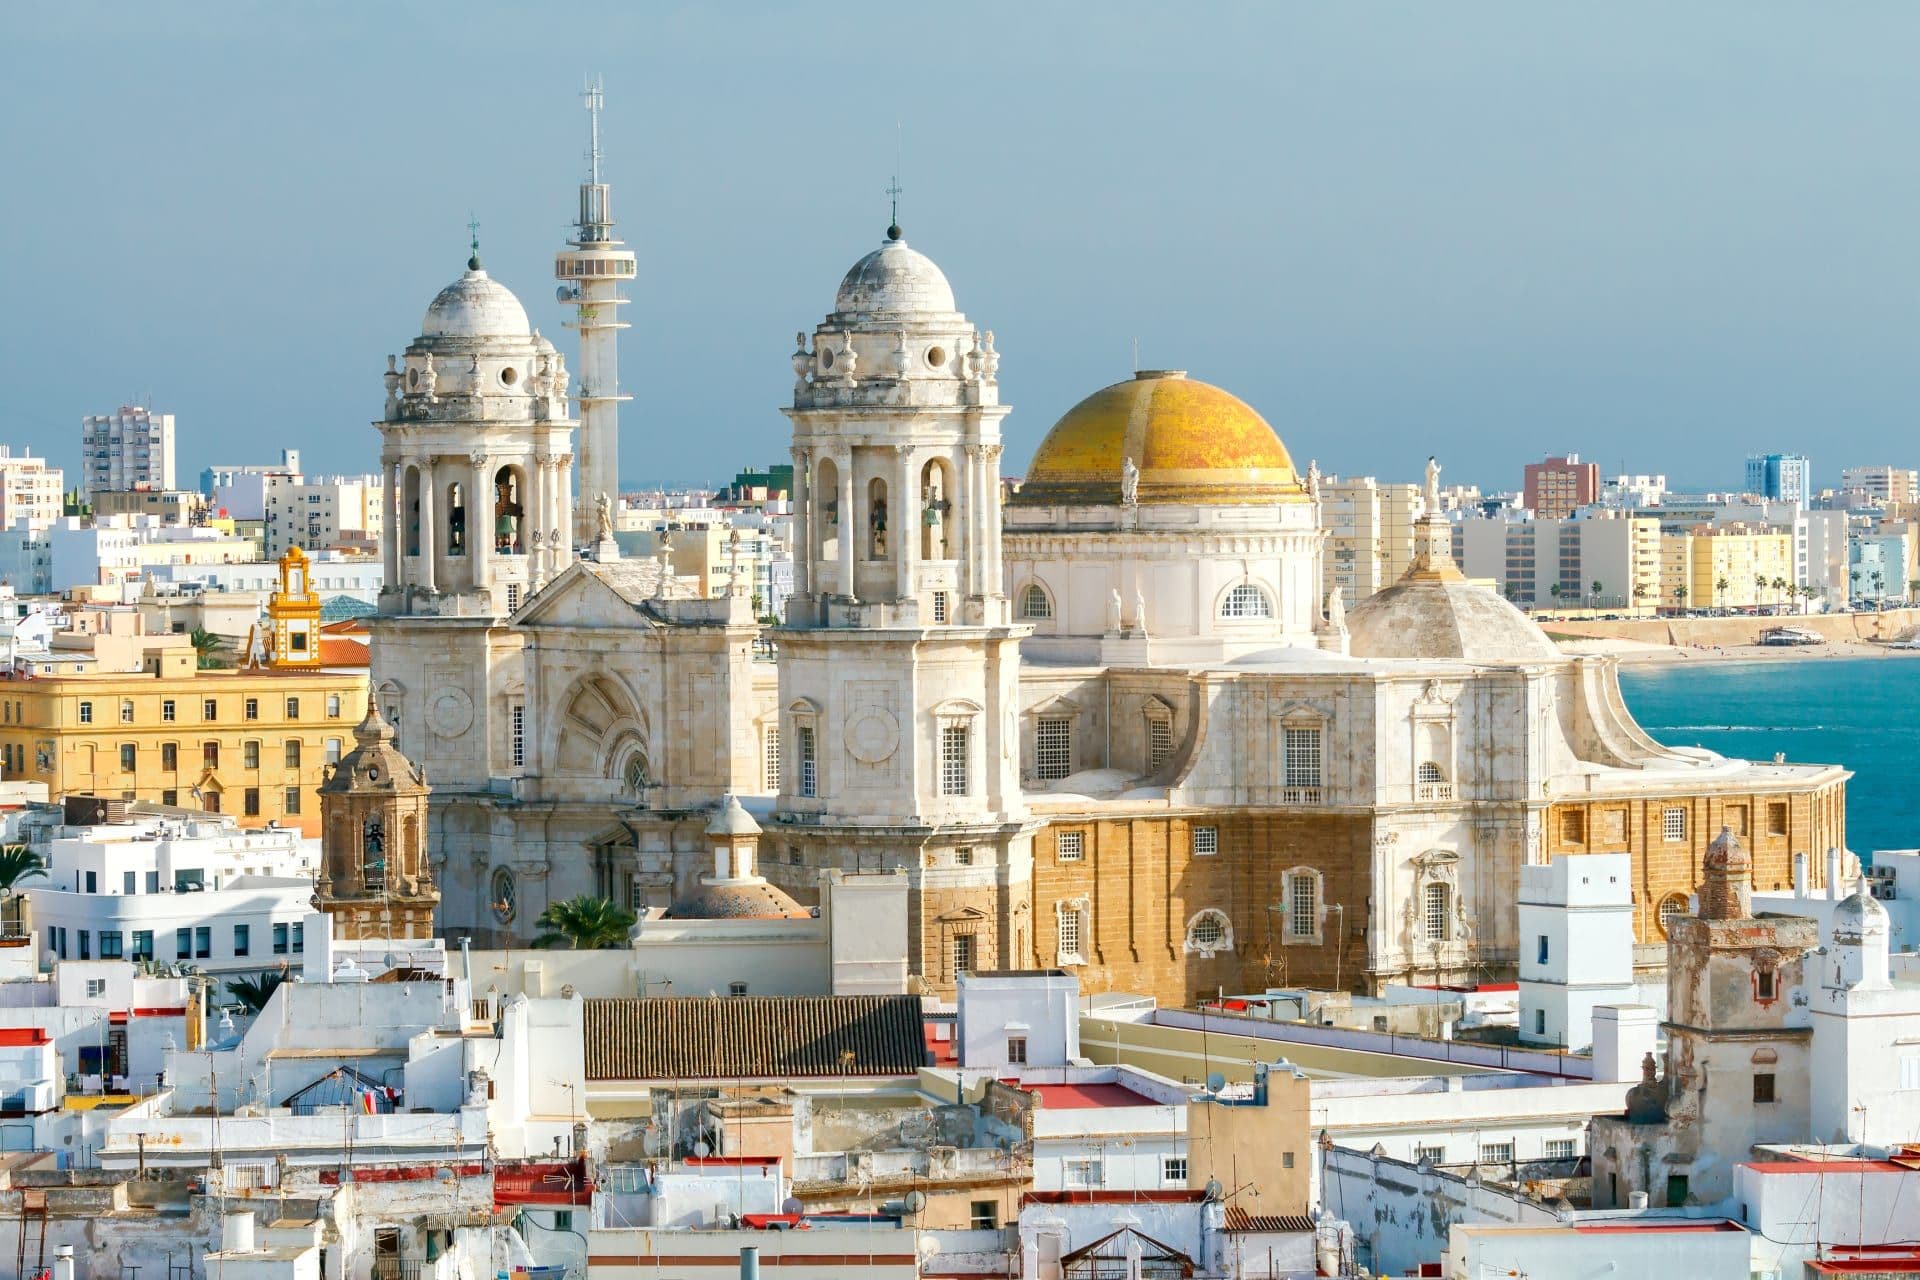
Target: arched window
x=877, y=519
x=500, y=892
x=1672, y=907
x=1246, y=601
x=1431, y=772
x=1035, y=603
x=509, y=506
x=635, y=774
x=1208, y=932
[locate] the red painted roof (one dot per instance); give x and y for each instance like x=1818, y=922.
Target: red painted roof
x=1828, y=1166
x=730, y=1161
x=343, y=651
x=1074, y=1096
x=1902, y=1264
x=542, y=1182
x=14, y=1036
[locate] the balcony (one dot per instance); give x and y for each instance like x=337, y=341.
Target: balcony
x=1432, y=792
x=1300, y=795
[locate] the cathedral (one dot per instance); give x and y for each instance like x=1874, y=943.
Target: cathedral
x=1113, y=722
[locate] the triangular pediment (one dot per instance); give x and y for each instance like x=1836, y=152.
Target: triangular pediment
x=961, y=915
x=579, y=597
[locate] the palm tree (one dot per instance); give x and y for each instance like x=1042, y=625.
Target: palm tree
x=1720, y=588
x=1913, y=588
x=1779, y=589
x=1680, y=598
x=207, y=646
x=1598, y=587
x=584, y=924
x=17, y=863
x=253, y=990
x=1879, y=584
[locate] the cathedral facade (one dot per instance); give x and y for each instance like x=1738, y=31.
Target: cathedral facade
x=1114, y=723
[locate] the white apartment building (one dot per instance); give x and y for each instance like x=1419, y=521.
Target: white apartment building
x=317, y=512
x=1883, y=484
x=1541, y=563
x=331, y=573
x=241, y=491
x=1369, y=534
x=198, y=891
x=1632, y=490
x=121, y=550
x=126, y=449
x=32, y=494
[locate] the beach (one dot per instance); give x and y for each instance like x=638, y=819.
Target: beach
x=1635, y=652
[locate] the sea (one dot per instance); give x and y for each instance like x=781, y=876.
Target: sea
x=1863, y=713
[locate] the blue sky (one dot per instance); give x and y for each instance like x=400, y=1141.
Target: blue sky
x=1660, y=235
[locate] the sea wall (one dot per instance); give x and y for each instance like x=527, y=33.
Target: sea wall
x=1894, y=624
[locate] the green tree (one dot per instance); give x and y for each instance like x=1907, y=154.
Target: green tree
x=17, y=863
x=253, y=990
x=585, y=924
x=207, y=647
x=1598, y=587
x=1913, y=588
x=1720, y=586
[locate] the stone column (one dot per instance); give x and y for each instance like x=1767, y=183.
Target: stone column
x=906, y=520
x=533, y=519
x=988, y=518
x=849, y=531
x=480, y=525
x=563, y=499
x=975, y=535
x=802, y=523
x=428, y=544
x=393, y=526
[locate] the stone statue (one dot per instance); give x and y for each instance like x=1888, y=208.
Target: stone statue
x=256, y=647
x=1139, y=611
x=1129, y=483
x=849, y=358
x=559, y=378
x=1433, y=486
x=1313, y=479
x=1336, y=610
x=1113, y=611
x=429, y=379
x=603, y=517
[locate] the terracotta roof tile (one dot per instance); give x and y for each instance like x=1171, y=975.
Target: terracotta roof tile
x=730, y=1037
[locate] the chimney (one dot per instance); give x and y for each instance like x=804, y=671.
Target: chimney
x=236, y=1234
x=1833, y=874
x=1800, y=874
x=63, y=1262
x=1637, y=1200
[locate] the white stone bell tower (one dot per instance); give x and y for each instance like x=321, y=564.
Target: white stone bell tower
x=475, y=450
x=898, y=662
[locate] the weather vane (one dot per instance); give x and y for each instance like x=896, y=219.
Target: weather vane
x=473, y=229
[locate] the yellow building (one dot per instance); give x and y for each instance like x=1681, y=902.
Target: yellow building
x=254, y=744
x=1724, y=568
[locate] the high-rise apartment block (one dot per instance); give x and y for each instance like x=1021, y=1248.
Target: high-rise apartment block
x=1783, y=477
x=1369, y=528
x=1730, y=567
x=30, y=490
x=127, y=449
x=1558, y=487
x=1883, y=484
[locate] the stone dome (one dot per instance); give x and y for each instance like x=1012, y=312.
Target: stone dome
x=1423, y=616
x=1192, y=442
x=737, y=900
x=732, y=819
x=1727, y=870
x=1859, y=916
x=475, y=306
x=894, y=280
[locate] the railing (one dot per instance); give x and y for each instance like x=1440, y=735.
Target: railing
x=387, y=1267
x=1429, y=792
x=1300, y=795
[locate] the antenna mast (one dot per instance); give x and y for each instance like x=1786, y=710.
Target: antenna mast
x=594, y=100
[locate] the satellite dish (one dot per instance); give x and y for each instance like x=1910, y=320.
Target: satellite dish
x=1215, y=1192
x=701, y=1149
x=916, y=1201
x=1216, y=1082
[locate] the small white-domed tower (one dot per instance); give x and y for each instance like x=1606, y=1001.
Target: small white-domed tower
x=898, y=662
x=1860, y=947
x=476, y=445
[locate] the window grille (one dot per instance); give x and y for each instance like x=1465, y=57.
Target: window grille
x=1436, y=917
x=809, y=768
x=1303, y=906
x=1246, y=601
x=770, y=758
x=1206, y=841
x=953, y=759
x=1302, y=757
x=1034, y=603
x=1053, y=748
x=1070, y=846
x=1673, y=824
x=1159, y=742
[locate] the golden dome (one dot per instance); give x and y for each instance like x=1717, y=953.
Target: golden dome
x=1192, y=442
